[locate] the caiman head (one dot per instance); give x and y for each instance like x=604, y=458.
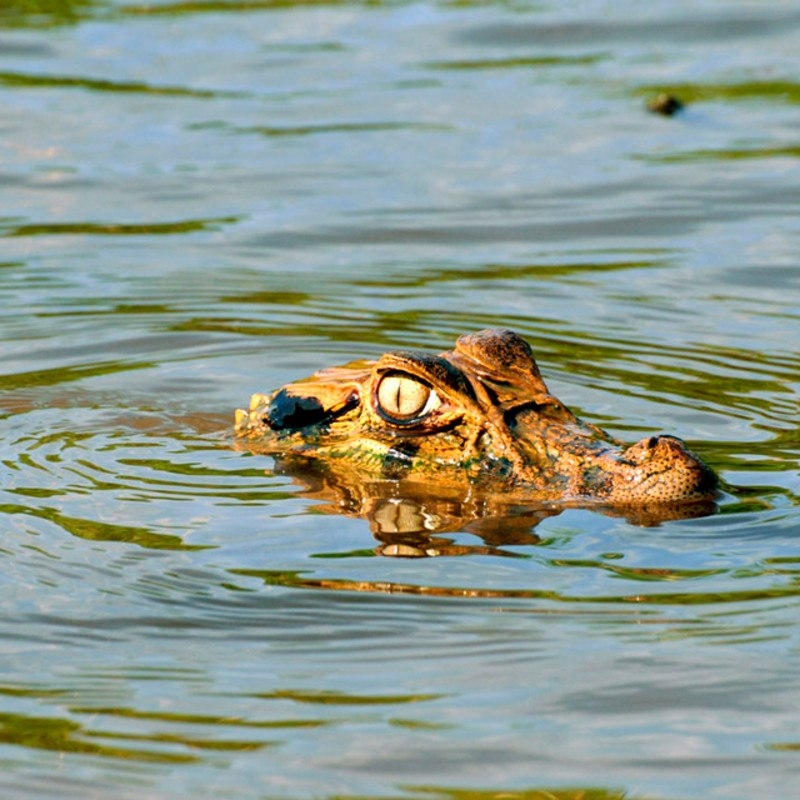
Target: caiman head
x=477, y=416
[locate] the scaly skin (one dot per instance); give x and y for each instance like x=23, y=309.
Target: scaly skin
x=479, y=416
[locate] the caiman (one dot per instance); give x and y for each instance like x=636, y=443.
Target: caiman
x=476, y=419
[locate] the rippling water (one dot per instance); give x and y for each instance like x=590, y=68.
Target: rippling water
x=205, y=199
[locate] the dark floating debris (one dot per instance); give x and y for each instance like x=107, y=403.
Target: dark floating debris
x=665, y=104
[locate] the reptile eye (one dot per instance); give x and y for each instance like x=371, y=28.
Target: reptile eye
x=401, y=398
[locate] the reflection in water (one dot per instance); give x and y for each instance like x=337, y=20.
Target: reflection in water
x=452, y=793
x=15, y=79
x=785, y=590
x=64, y=736
x=96, y=530
x=114, y=228
x=407, y=517
x=43, y=13
x=775, y=90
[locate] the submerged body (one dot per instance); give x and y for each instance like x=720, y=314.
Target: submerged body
x=479, y=416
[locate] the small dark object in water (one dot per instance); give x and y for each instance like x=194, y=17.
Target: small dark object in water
x=665, y=104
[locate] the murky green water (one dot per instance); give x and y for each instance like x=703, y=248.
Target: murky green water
x=204, y=199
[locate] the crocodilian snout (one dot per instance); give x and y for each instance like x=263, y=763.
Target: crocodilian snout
x=663, y=469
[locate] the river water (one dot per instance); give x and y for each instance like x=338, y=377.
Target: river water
x=201, y=199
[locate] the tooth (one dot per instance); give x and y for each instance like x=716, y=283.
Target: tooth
x=241, y=418
x=257, y=400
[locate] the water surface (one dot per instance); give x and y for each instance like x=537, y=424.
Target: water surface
x=206, y=199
